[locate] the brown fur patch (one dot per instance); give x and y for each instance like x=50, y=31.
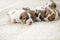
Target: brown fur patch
x=53, y=5
x=47, y=11
x=32, y=12
x=52, y=17
x=23, y=16
x=42, y=13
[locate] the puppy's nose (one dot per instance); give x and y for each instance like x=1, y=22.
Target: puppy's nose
x=30, y=22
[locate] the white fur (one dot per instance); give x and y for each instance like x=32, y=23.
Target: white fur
x=30, y=19
x=56, y=17
x=40, y=8
x=48, y=3
x=15, y=14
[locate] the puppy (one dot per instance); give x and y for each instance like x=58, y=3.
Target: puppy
x=40, y=13
x=50, y=15
x=31, y=11
x=47, y=15
x=22, y=16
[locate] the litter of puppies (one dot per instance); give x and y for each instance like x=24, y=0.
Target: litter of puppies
x=29, y=16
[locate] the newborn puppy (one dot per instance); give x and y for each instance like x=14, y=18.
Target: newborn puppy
x=40, y=13
x=21, y=16
x=50, y=15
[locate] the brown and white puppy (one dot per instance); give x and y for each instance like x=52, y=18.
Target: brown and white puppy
x=31, y=11
x=22, y=16
x=49, y=12
x=50, y=15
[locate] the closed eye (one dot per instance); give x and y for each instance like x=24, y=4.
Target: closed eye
x=27, y=17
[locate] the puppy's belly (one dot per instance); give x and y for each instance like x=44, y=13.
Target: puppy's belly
x=15, y=17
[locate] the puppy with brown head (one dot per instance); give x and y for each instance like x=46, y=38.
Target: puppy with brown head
x=47, y=14
x=50, y=15
x=31, y=13
x=51, y=12
x=21, y=16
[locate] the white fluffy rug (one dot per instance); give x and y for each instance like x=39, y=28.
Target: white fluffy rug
x=36, y=31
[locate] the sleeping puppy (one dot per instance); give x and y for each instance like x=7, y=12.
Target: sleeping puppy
x=22, y=16
x=40, y=11
x=48, y=12
x=31, y=11
x=47, y=15
x=50, y=15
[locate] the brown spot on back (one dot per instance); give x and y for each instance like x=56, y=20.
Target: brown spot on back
x=24, y=15
x=52, y=17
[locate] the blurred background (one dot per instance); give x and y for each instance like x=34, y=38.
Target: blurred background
x=23, y=3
